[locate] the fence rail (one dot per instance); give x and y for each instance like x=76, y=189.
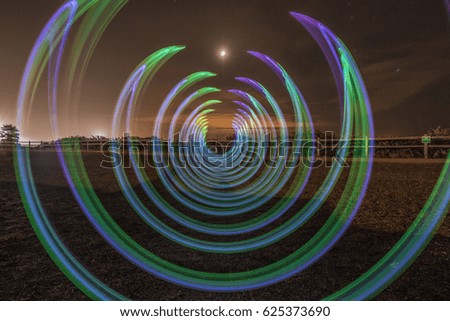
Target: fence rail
x=389, y=147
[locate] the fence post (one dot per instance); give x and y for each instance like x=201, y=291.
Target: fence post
x=425, y=150
x=366, y=141
x=318, y=146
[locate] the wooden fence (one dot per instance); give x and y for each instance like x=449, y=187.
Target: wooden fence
x=392, y=147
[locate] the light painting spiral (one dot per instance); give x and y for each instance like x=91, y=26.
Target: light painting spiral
x=246, y=176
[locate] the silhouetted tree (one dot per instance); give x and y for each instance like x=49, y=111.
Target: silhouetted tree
x=439, y=131
x=9, y=134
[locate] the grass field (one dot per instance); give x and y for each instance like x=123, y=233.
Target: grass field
x=397, y=193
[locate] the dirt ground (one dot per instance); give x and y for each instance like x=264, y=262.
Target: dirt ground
x=397, y=192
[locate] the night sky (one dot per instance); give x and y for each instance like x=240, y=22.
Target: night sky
x=402, y=48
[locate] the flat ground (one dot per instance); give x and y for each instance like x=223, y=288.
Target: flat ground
x=397, y=192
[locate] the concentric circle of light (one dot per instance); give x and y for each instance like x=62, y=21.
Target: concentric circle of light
x=204, y=181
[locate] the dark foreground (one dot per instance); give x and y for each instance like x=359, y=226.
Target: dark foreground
x=397, y=193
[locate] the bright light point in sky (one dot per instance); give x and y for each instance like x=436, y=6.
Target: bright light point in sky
x=223, y=53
